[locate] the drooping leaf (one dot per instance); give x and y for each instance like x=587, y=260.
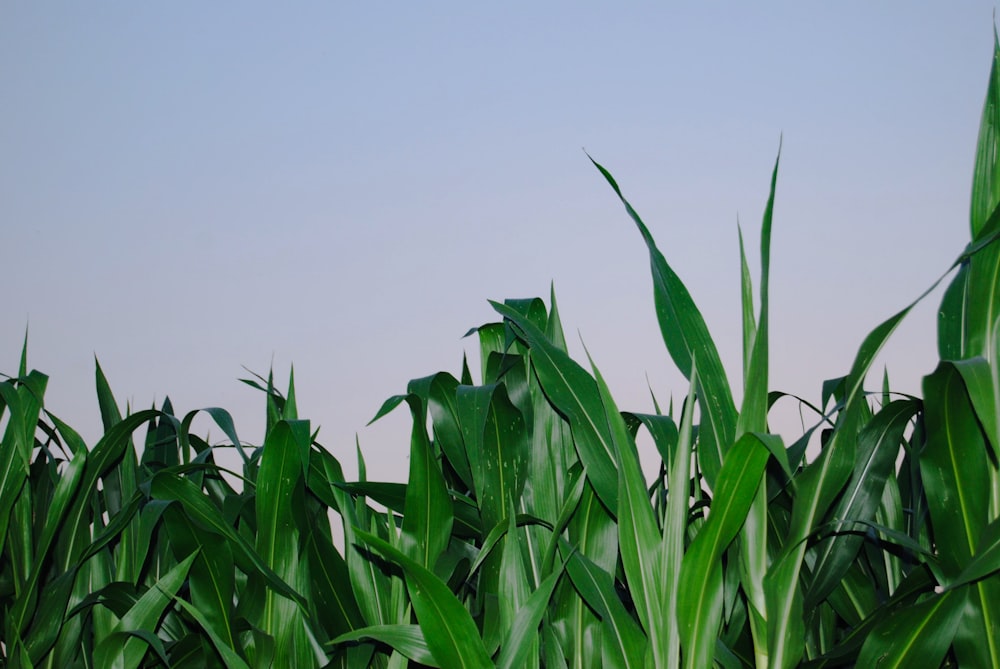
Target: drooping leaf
x=596, y=586
x=574, y=393
x=407, y=639
x=448, y=627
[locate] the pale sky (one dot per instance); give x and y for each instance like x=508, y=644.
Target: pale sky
x=187, y=188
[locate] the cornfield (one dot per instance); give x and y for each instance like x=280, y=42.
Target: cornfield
x=527, y=534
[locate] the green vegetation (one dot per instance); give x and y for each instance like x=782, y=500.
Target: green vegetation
x=526, y=534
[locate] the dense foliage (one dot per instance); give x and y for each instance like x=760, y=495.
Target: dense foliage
x=527, y=533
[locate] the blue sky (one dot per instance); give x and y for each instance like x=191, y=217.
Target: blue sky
x=187, y=188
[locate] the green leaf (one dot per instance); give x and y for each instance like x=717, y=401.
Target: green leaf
x=448, y=627
x=956, y=474
x=978, y=376
x=427, y=520
x=592, y=532
x=574, y=393
x=686, y=337
x=746, y=299
x=110, y=414
x=753, y=545
x=387, y=407
x=442, y=405
x=574, y=493
x=225, y=423
x=515, y=648
x=982, y=297
x=817, y=487
x=108, y=451
x=50, y=615
x=24, y=400
x=503, y=459
x=169, y=486
x=66, y=488
x=700, y=579
x=513, y=589
x=122, y=648
x=986, y=176
x=675, y=524
x=663, y=430
x=952, y=317
x=229, y=656
x=279, y=486
x=330, y=585
x=211, y=579
x=955, y=469
x=878, y=447
x=407, y=639
x=638, y=533
x=914, y=636
x=596, y=587
x=986, y=560
x=753, y=413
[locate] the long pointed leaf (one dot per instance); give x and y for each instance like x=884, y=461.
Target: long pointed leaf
x=448, y=627
x=686, y=337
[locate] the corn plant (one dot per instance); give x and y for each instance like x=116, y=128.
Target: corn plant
x=526, y=533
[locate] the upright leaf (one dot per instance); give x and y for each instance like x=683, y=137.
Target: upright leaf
x=279, y=486
x=699, y=600
x=686, y=337
x=638, y=534
x=428, y=518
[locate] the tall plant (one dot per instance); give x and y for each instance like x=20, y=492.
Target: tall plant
x=527, y=533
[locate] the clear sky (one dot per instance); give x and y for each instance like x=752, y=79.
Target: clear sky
x=188, y=187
